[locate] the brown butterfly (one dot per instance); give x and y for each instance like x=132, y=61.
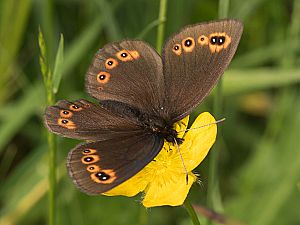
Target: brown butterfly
x=141, y=96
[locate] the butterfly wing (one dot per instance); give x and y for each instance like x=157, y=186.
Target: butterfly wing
x=100, y=166
x=85, y=120
x=129, y=72
x=193, y=61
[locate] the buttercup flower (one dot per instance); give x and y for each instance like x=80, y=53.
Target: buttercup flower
x=163, y=181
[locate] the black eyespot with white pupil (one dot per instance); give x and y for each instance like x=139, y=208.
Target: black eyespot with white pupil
x=109, y=63
x=65, y=112
x=75, y=107
x=124, y=54
x=86, y=151
x=221, y=40
x=102, y=176
x=91, y=168
x=102, y=77
x=64, y=121
x=88, y=159
x=188, y=43
x=176, y=47
x=214, y=40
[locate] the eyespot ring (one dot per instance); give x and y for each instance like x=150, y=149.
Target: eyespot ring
x=203, y=40
x=111, y=63
x=103, y=77
x=66, y=123
x=188, y=44
x=214, y=41
x=90, y=159
x=125, y=55
x=103, y=176
x=65, y=113
x=93, y=168
x=75, y=107
x=177, y=49
x=88, y=151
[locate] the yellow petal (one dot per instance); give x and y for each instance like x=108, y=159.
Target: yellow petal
x=130, y=187
x=166, y=190
x=197, y=142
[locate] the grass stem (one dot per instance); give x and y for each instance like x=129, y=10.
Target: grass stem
x=161, y=26
x=52, y=166
x=52, y=148
x=213, y=193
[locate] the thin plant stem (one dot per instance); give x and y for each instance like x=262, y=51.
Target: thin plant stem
x=213, y=193
x=161, y=26
x=52, y=167
x=52, y=148
x=223, y=8
x=191, y=211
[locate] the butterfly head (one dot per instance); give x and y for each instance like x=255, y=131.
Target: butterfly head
x=170, y=135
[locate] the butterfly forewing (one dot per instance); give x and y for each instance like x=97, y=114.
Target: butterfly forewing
x=193, y=61
x=129, y=72
x=99, y=166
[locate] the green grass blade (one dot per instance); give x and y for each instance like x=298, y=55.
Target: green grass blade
x=262, y=55
x=110, y=23
x=13, y=22
x=27, y=104
x=149, y=27
x=243, y=9
x=46, y=14
x=243, y=81
x=80, y=46
x=59, y=59
x=43, y=56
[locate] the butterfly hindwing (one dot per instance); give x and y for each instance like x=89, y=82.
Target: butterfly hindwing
x=129, y=72
x=99, y=166
x=85, y=120
x=193, y=61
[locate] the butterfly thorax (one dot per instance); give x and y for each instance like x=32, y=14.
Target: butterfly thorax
x=153, y=123
x=170, y=135
x=161, y=127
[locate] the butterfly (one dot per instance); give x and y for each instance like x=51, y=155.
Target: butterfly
x=141, y=96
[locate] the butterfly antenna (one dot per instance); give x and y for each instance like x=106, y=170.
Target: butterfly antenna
x=184, y=167
x=209, y=124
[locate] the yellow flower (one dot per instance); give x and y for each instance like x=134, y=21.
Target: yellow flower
x=164, y=179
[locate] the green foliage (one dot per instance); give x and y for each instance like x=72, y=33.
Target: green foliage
x=259, y=161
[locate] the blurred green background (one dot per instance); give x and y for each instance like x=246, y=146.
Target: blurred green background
x=259, y=163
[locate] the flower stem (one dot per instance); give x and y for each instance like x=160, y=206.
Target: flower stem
x=161, y=26
x=189, y=208
x=213, y=193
